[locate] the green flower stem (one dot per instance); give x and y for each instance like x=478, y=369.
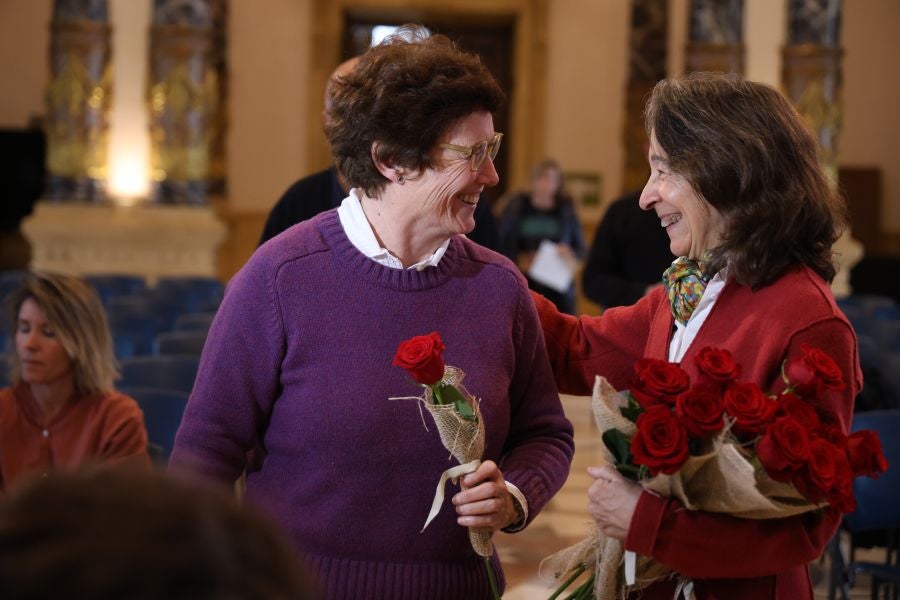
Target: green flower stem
x=436, y=392
x=578, y=571
x=584, y=592
x=623, y=468
x=492, y=579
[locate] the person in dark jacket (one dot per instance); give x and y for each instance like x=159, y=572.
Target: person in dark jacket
x=628, y=256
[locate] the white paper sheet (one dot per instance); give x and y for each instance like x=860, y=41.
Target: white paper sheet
x=550, y=268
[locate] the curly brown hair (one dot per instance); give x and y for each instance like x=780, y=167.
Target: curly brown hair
x=747, y=152
x=404, y=94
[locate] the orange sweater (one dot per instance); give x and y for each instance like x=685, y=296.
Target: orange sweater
x=95, y=428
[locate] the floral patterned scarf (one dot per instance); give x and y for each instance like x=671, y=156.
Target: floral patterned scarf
x=685, y=284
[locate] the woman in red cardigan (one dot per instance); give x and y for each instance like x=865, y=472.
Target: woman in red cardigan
x=62, y=410
x=737, y=184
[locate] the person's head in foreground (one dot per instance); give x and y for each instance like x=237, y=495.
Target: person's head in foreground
x=111, y=534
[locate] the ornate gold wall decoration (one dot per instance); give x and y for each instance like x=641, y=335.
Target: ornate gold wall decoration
x=716, y=36
x=78, y=99
x=811, y=78
x=185, y=101
x=811, y=70
x=646, y=66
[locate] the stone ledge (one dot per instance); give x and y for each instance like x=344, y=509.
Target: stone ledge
x=147, y=240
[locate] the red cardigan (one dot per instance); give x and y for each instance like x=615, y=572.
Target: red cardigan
x=95, y=428
x=727, y=557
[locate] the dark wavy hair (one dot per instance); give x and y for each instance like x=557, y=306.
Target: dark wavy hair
x=747, y=152
x=404, y=94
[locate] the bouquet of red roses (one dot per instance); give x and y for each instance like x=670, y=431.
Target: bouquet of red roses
x=722, y=445
x=458, y=420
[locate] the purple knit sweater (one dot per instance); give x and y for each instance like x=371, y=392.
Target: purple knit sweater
x=298, y=367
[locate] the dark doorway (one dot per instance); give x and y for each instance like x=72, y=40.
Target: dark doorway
x=493, y=41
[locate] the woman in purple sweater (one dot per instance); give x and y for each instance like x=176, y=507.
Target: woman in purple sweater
x=297, y=366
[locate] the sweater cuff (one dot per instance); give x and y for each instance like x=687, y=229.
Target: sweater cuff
x=521, y=505
x=645, y=523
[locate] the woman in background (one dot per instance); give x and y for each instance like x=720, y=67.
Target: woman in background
x=62, y=410
x=545, y=212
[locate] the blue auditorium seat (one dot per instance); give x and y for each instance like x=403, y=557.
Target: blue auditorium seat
x=180, y=342
x=164, y=371
x=162, y=410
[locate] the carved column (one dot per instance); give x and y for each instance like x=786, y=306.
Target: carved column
x=78, y=100
x=811, y=70
x=185, y=100
x=716, y=39
x=217, y=179
x=646, y=66
x=811, y=78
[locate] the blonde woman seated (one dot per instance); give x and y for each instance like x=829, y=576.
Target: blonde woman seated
x=62, y=410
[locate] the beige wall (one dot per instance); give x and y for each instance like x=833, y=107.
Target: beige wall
x=24, y=40
x=270, y=57
x=870, y=135
x=586, y=74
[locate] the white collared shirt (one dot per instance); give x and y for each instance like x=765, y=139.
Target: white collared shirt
x=359, y=232
x=684, y=334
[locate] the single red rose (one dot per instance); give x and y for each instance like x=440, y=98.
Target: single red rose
x=717, y=365
x=421, y=357
x=660, y=442
x=818, y=476
x=811, y=369
x=840, y=497
x=834, y=434
x=657, y=381
x=865, y=454
x=792, y=405
x=751, y=409
x=701, y=410
x=784, y=448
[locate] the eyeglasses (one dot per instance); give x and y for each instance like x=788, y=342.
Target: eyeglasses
x=477, y=153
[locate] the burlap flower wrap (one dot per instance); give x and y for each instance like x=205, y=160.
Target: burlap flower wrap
x=721, y=480
x=464, y=438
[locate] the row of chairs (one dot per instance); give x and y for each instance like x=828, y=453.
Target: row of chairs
x=159, y=334
x=138, y=316
x=876, y=320
x=163, y=409
x=876, y=520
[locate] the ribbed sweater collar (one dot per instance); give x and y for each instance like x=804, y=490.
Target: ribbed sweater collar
x=398, y=279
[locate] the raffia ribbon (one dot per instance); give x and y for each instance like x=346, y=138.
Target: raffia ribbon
x=464, y=439
x=453, y=474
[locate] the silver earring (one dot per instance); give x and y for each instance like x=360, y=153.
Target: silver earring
x=400, y=179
